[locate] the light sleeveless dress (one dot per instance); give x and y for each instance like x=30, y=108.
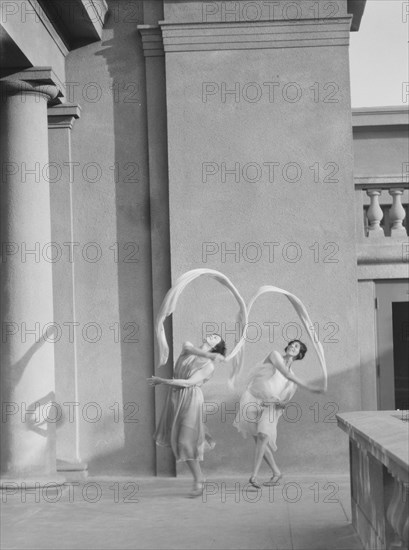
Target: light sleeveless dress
x=184, y=407
x=265, y=383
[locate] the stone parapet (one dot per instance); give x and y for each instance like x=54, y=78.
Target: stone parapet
x=379, y=468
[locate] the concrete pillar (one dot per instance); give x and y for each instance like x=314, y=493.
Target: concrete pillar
x=159, y=191
x=61, y=120
x=28, y=440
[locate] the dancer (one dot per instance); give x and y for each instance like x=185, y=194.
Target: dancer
x=270, y=387
x=181, y=425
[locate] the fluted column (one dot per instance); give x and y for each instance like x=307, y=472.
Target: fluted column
x=28, y=439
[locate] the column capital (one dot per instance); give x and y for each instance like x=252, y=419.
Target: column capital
x=40, y=80
x=152, y=40
x=20, y=87
x=63, y=116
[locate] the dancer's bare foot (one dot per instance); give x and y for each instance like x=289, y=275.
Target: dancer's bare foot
x=275, y=480
x=253, y=481
x=197, y=489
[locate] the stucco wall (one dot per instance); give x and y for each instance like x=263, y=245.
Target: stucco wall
x=261, y=188
x=212, y=212
x=110, y=203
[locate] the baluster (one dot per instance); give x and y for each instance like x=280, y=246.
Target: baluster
x=397, y=214
x=374, y=214
x=397, y=513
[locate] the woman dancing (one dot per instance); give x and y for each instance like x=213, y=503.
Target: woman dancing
x=270, y=387
x=181, y=424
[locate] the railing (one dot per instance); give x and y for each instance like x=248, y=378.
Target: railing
x=379, y=469
x=382, y=208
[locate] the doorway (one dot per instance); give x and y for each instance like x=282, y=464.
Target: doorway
x=392, y=315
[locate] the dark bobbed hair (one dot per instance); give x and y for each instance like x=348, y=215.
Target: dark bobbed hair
x=303, y=349
x=220, y=347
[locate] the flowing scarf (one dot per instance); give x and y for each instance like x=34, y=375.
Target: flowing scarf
x=306, y=321
x=169, y=306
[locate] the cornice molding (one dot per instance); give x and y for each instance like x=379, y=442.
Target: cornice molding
x=377, y=181
x=49, y=26
x=380, y=116
x=300, y=33
x=76, y=22
x=356, y=8
x=152, y=40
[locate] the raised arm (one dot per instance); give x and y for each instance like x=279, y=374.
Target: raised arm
x=190, y=348
x=277, y=361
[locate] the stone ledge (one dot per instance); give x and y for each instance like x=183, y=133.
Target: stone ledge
x=66, y=109
x=380, y=116
x=379, y=252
x=383, y=434
x=371, y=272
x=383, y=182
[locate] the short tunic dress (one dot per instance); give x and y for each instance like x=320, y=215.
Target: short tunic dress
x=265, y=383
x=184, y=407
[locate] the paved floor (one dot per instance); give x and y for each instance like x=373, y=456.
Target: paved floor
x=306, y=512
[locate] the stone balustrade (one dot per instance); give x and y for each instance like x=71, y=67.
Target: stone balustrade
x=384, y=208
x=379, y=461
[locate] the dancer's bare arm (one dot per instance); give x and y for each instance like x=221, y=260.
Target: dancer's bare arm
x=277, y=361
x=205, y=372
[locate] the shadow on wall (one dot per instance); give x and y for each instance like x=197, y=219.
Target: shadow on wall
x=125, y=62
x=33, y=421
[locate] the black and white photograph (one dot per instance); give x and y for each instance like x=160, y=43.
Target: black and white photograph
x=204, y=274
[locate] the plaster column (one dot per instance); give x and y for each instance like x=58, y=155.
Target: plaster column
x=28, y=443
x=159, y=201
x=61, y=119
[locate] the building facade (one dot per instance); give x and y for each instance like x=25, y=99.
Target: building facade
x=141, y=139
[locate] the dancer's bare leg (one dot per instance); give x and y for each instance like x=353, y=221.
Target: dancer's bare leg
x=269, y=458
x=261, y=444
x=186, y=450
x=276, y=470
x=194, y=467
x=198, y=479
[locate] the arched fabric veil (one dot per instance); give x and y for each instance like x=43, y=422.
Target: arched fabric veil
x=305, y=319
x=169, y=305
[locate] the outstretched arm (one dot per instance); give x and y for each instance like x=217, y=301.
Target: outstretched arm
x=205, y=372
x=277, y=361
